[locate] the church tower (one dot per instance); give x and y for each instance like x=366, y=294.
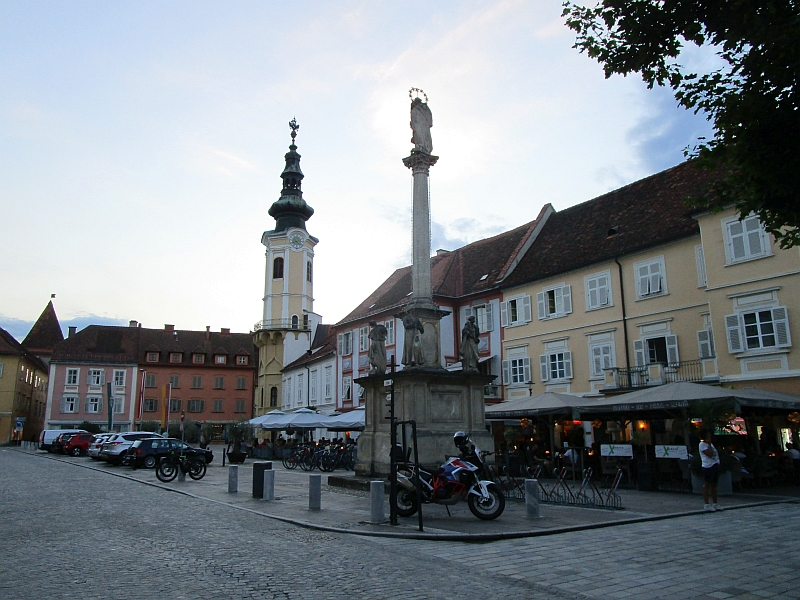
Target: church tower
x=288, y=322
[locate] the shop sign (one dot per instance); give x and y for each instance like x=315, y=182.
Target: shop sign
x=672, y=452
x=620, y=450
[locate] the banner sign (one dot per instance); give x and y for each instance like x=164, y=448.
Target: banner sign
x=672, y=452
x=617, y=450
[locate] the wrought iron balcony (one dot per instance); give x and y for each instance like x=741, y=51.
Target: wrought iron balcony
x=699, y=371
x=279, y=324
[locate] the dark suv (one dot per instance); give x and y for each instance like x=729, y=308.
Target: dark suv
x=78, y=444
x=148, y=453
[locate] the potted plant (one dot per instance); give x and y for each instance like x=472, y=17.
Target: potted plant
x=235, y=433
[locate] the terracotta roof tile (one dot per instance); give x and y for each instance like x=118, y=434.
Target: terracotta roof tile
x=645, y=213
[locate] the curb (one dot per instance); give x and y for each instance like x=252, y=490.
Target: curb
x=441, y=537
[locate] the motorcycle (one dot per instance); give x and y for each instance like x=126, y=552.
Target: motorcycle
x=457, y=480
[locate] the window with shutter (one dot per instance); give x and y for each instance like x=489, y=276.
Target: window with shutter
x=544, y=372
x=638, y=351
x=702, y=280
x=598, y=290
x=734, y=333
x=705, y=344
x=601, y=357
x=650, y=278
x=554, y=302
x=506, y=373
x=745, y=240
x=672, y=349
x=515, y=311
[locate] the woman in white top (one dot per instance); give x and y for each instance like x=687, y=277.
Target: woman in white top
x=710, y=463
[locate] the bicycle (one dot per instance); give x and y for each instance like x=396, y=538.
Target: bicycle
x=192, y=465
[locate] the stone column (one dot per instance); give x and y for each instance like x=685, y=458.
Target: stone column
x=422, y=296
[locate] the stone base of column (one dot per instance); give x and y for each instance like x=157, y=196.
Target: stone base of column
x=441, y=403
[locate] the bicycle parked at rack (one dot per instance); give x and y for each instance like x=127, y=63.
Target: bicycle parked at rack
x=192, y=465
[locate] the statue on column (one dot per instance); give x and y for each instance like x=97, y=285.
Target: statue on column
x=470, y=337
x=412, y=342
x=421, y=123
x=377, y=348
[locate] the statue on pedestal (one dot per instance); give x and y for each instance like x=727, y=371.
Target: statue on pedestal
x=470, y=337
x=377, y=348
x=412, y=343
x=421, y=123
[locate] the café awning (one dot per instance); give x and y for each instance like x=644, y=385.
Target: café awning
x=549, y=403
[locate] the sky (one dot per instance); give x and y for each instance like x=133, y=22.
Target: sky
x=141, y=144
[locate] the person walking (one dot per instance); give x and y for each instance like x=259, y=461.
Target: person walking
x=709, y=458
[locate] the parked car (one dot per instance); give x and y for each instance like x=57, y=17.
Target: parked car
x=97, y=445
x=47, y=436
x=77, y=444
x=57, y=447
x=116, y=447
x=148, y=453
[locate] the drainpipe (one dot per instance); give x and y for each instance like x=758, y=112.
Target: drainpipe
x=624, y=316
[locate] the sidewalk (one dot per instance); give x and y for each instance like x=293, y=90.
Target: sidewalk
x=348, y=511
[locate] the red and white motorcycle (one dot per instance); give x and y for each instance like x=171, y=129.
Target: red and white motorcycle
x=458, y=479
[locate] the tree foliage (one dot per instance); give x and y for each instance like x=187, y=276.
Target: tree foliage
x=753, y=100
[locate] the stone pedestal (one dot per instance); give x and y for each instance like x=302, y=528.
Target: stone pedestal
x=441, y=402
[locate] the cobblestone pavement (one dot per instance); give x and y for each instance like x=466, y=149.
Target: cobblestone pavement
x=75, y=532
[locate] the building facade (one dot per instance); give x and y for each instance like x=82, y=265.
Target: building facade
x=634, y=289
x=82, y=366
x=23, y=391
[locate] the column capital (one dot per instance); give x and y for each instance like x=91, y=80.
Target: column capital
x=420, y=162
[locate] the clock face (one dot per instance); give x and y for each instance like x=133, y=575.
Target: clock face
x=296, y=241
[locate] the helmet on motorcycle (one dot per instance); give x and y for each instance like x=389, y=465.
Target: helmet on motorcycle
x=460, y=439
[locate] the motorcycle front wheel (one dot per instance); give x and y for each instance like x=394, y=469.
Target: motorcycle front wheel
x=406, y=504
x=166, y=471
x=487, y=508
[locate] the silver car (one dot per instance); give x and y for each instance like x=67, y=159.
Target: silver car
x=97, y=445
x=116, y=447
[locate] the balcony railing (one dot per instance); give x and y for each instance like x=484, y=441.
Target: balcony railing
x=279, y=324
x=701, y=370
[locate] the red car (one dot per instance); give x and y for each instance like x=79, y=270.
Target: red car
x=78, y=444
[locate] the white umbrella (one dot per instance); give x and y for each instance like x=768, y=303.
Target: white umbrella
x=352, y=420
x=269, y=416
x=670, y=395
x=541, y=404
x=766, y=399
x=302, y=418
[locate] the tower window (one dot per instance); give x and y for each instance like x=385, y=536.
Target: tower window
x=295, y=322
x=308, y=271
x=273, y=397
x=277, y=268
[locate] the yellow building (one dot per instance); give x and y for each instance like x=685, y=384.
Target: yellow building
x=288, y=322
x=633, y=289
x=23, y=391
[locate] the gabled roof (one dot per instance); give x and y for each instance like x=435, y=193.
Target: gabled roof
x=11, y=347
x=100, y=344
x=644, y=214
x=45, y=333
x=472, y=269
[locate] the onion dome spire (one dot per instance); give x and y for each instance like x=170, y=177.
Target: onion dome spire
x=291, y=210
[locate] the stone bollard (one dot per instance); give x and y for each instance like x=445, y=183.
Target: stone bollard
x=532, y=498
x=376, y=498
x=314, y=492
x=233, y=479
x=269, y=485
x=181, y=475
x=259, y=468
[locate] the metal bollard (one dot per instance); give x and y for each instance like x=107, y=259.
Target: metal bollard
x=532, y=498
x=269, y=485
x=233, y=479
x=259, y=468
x=376, y=498
x=314, y=492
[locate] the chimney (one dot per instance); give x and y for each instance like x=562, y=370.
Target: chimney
x=441, y=251
x=169, y=327
x=72, y=330
x=225, y=331
x=208, y=332
x=133, y=323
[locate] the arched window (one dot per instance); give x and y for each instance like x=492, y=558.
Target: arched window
x=277, y=268
x=295, y=322
x=273, y=397
x=308, y=271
